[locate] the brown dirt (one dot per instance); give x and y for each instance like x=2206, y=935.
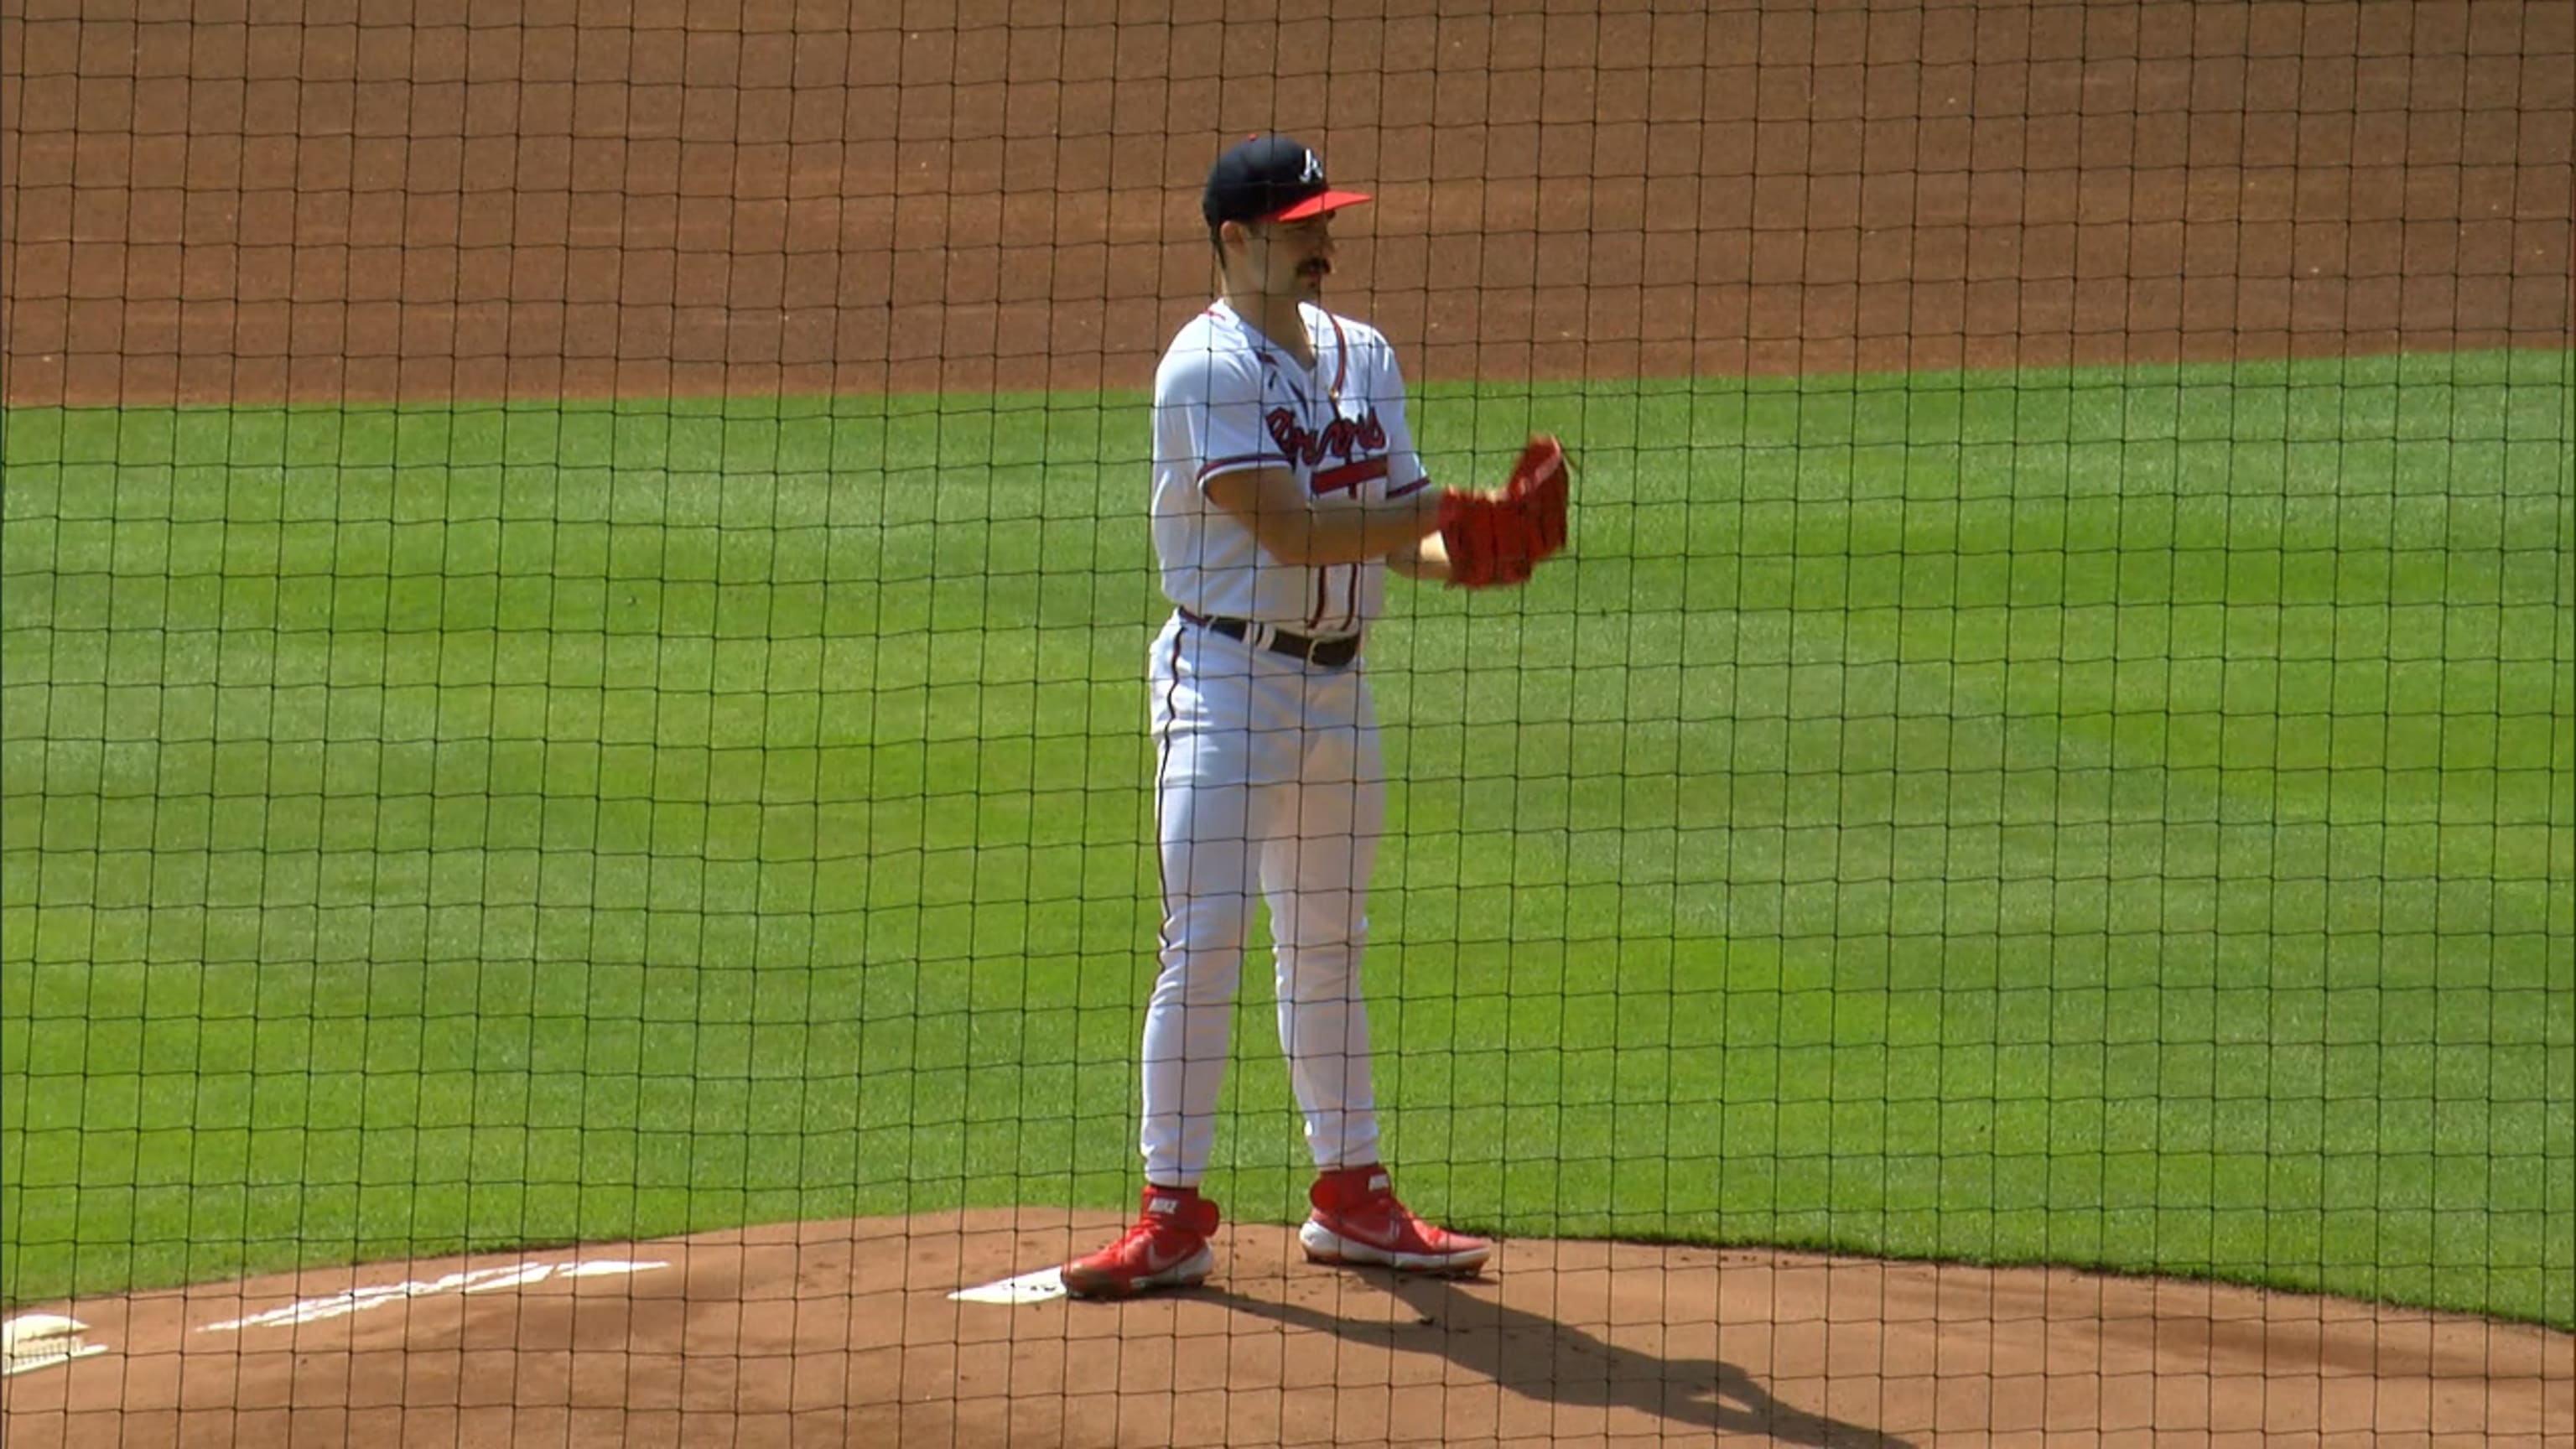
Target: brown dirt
x=843, y=1333
x=322, y=199
x=347, y=200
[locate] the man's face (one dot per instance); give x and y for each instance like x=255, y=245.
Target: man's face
x=1289, y=258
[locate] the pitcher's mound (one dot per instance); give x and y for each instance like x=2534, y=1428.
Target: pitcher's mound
x=846, y=1333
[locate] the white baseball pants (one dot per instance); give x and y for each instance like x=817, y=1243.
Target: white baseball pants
x=1268, y=781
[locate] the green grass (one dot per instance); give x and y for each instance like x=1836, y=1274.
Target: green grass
x=2117, y=818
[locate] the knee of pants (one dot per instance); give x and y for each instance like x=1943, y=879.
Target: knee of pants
x=1318, y=920
x=1202, y=952
x=1319, y=974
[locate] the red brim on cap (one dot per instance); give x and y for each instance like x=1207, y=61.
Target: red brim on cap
x=1318, y=204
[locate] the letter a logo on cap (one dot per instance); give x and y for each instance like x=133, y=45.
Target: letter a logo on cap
x=1270, y=178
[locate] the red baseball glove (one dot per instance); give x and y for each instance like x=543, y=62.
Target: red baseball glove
x=1539, y=484
x=1487, y=538
x=1497, y=539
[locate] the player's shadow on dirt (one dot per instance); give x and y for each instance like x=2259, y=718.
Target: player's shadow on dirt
x=1540, y=1358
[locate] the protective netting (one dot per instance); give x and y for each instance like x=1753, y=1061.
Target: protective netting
x=573, y=621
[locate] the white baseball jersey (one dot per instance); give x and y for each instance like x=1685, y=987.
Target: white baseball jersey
x=1226, y=400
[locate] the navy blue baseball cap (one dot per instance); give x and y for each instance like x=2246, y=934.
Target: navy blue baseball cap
x=1271, y=178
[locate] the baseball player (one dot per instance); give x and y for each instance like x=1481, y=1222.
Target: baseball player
x=1285, y=485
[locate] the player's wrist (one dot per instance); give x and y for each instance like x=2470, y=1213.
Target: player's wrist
x=1402, y=522
x=1431, y=507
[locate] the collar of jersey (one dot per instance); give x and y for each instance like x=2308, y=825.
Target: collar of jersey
x=1268, y=343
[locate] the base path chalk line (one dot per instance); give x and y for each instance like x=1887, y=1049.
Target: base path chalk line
x=41, y=1340
x=1039, y=1287
x=481, y=1280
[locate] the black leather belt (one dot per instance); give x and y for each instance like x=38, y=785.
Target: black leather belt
x=1333, y=653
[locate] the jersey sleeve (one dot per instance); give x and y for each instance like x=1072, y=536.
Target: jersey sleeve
x=1404, y=470
x=1211, y=402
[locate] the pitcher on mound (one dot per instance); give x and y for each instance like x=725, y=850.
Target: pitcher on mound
x=1285, y=485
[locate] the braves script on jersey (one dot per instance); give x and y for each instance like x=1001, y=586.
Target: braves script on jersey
x=1227, y=399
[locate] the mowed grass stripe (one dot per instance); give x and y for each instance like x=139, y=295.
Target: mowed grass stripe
x=2115, y=818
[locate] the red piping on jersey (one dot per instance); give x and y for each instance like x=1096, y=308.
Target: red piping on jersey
x=1341, y=357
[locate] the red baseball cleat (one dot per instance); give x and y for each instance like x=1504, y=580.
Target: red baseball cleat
x=1167, y=1248
x=1358, y=1221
